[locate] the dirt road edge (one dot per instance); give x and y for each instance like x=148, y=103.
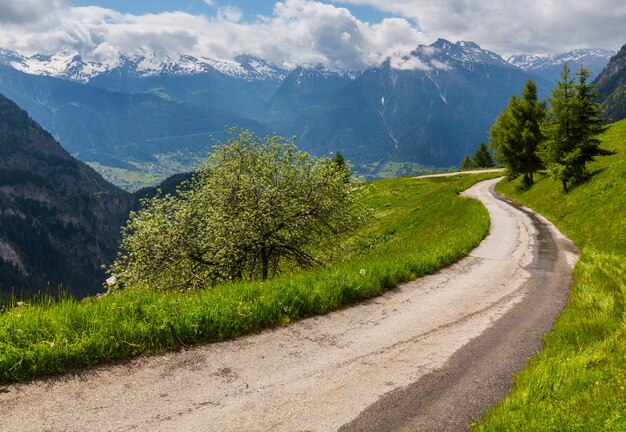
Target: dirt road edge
x=481, y=373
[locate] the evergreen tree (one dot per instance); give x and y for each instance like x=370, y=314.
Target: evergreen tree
x=343, y=166
x=340, y=160
x=467, y=163
x=516, y=134
x=572, y=128
x=482, y=157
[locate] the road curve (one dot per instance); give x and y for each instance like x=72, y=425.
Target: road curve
x=437, y=351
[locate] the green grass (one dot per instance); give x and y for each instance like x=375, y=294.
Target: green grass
x=578, y=381
x=395, y=169
x=129, y=180
x=147, y=174
x=417, y=227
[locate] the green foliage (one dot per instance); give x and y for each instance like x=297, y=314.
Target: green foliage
x=417, y=227
x=578, y=381
x=571, y=129
x=169, y=186
x=482, y=157
x=516, y=133
x=256, y=207
x=467, y=163
x=391, y=169
x=343, y=167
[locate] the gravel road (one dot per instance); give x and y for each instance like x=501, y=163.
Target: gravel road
x=435, y=351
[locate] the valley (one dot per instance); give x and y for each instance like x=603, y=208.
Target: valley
x=324, y=215
x=143, y=117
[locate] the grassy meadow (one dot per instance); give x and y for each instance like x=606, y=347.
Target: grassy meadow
x=416, y=227
x=578, y=381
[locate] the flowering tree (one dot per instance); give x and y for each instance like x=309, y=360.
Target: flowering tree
x=256, y=207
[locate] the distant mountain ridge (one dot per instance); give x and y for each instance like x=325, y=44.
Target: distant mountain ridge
x=142, y=63
x=549, y=66
x=432, y=114
x=464, y=52
x=426, y=109
x=243, y=86
x=135, y=132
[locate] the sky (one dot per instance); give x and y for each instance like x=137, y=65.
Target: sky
x=351, y=34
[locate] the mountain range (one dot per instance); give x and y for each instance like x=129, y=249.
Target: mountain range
x=139, y=115
x=549, y=66
x=141, y=63
x=431, y=115
x=132, y=133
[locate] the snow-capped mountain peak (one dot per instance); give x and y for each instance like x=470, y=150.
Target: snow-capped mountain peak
x=66, y=64
x=442, y=54
x=256, y=67
x=445, y=55
x=468, y=53
x=549, y=65
x=142, y=63
x=540, y=61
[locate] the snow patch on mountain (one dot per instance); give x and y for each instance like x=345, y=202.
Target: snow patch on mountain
x=445, y=55
x=65, y=64
x=468, y=53
x=531, y=62
x=145, y=63
x=142, y=63
x=441, y=55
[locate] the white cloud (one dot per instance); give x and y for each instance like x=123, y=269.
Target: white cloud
x=309, y=32
x=508, y=26
x=408, y=63
x=393, y=38
x=27, y=11
x=299, y=32
x=230, y=13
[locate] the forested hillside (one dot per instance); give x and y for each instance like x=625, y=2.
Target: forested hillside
x=612, y=86
x=59, y=219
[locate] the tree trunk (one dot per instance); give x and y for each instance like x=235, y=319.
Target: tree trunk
x=564, y=181
x=265, y=263
x=527, y=180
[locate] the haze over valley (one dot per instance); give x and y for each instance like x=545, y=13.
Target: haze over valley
x=391, y=95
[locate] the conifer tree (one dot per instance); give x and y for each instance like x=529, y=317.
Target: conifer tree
x=467, y=163
x=572, y=128
x=482, y=157
x=516, y=134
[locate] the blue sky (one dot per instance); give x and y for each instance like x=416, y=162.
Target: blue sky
x=139, y=7
x=350, y=34
x=250, y=8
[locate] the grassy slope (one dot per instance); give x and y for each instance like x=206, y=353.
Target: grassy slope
x=417, y=227
x=578, y=381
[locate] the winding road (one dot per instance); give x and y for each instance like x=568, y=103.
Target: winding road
x=433, y=354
